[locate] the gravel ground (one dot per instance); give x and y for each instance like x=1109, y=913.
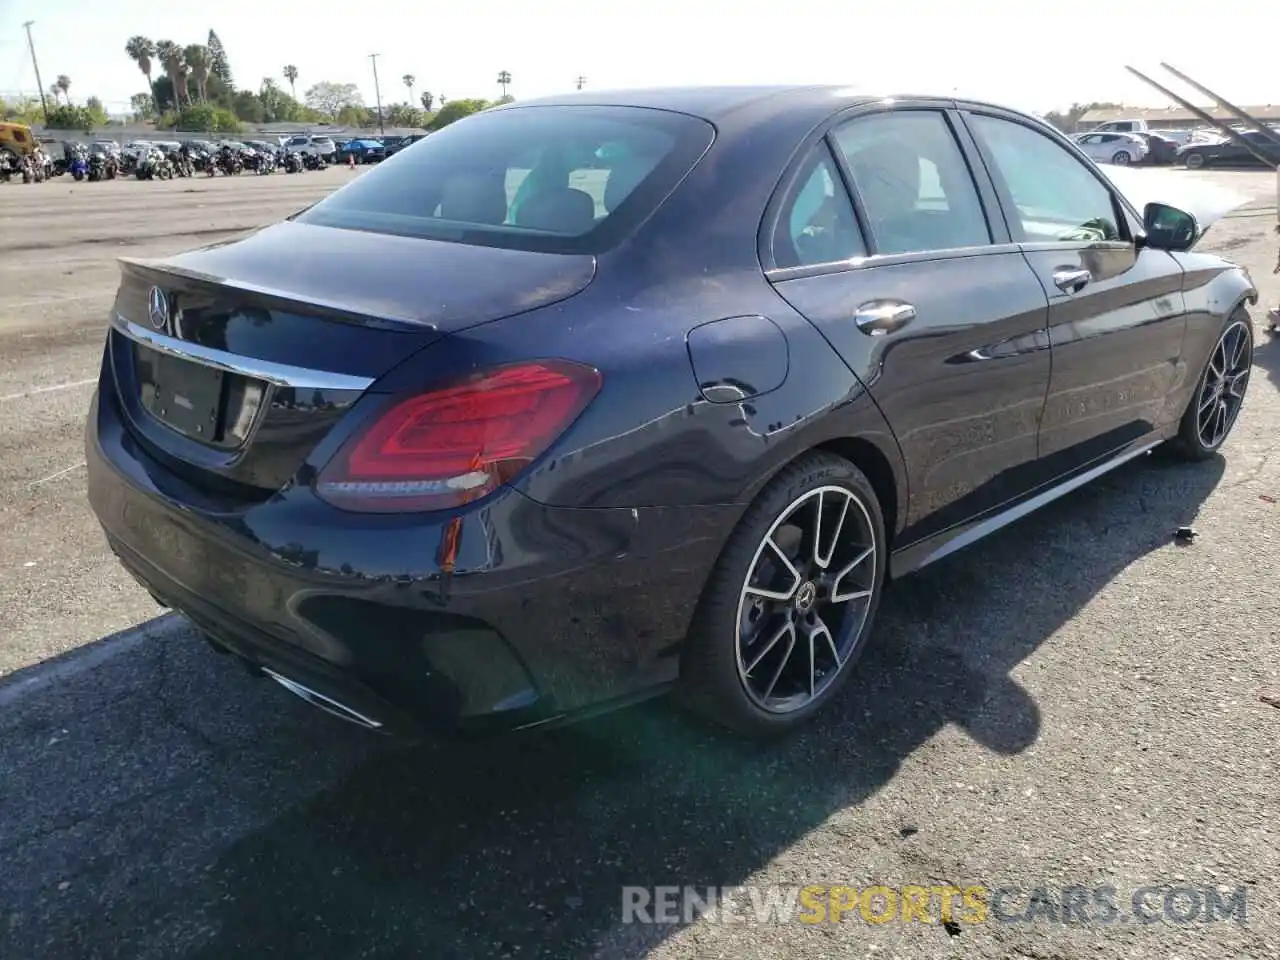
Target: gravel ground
x=1075, y=702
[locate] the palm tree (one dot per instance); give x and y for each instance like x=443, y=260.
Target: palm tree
x=199, y=62
x=426, y=100
x=291, y=74
x=142, y=51
x=170, y=56
x=504, y=80
x=409, y=80
x=63, y=84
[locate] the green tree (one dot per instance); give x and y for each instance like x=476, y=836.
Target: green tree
x=143, y=106
x=328, y=99
x=409, y=80
x=97, y=111
x=356, y=115
x=405, y=115
x=218, y=65
x=291, y=74
x=199, y=62
x=206, y=118
x=63, y=85
x=426, y=99
x=455, y=110
x=67, y=117
x=504, y=81
x=170, y=57
x=23, y=110
x=142, y=52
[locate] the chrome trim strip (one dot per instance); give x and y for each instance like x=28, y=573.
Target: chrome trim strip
x=1020, y=510
x=280, y=374
x=327, y=704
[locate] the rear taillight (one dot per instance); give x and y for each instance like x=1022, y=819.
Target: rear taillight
x=459, y=442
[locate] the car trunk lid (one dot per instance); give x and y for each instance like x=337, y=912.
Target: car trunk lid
x=231, y=363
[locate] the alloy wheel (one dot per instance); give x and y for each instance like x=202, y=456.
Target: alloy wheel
x=805, y=601
x=1120, y=158
x=1223, y=387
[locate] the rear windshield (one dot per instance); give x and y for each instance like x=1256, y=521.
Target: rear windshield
x=560, y=179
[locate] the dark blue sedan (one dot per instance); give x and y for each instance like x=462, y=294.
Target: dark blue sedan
x=586, y=399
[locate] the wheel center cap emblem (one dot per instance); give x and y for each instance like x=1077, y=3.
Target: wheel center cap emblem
x=158, y=306
x=806, y=596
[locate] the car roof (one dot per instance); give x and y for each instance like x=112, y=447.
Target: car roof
x=717, y=103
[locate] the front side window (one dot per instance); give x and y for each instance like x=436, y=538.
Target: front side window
x=913, y=181
x=1055, y=195
x=559, y=178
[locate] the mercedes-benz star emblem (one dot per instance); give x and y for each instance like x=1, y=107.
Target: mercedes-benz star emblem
x=159, y=305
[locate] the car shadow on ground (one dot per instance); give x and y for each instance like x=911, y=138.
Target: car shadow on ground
x=306, y=837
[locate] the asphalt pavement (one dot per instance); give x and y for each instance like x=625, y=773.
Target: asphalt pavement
x=1076, y=702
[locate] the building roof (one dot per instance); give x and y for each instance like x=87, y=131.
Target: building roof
x=1158, y=115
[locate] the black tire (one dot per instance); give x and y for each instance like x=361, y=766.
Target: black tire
x=1191, y=442
x=1194, y=161
x=1121, y=158
x=713, y=678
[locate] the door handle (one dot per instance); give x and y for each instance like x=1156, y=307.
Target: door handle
x=1071, y=281
x=876, y=318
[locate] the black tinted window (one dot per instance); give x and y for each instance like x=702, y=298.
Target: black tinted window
x=817, y=224
x=1055, y=195
x=560, y=179
x=913, y=181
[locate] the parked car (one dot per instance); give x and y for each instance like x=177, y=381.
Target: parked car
x=580, y=403
x=364, y=151
x=401, y=143
x=1117, y=148
x=1227, y=152
x=1161, y=151
x=322, y=147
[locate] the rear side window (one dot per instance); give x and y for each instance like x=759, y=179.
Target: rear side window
x=817, y=222
x=561, y=179
x=913, y=181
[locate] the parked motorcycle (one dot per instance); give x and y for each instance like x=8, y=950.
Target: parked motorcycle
x=154, y=166
x=313, y=161
x=78, y=166
x=266, y=163
x=293, y=162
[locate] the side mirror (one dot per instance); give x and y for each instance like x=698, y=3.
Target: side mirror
x=1169, y=228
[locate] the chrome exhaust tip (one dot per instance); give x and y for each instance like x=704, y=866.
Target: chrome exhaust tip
x=327, y=704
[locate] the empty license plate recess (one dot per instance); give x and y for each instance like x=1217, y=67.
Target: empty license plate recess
x=185, y=396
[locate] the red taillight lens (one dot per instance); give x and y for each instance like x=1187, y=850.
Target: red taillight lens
x=456, y=444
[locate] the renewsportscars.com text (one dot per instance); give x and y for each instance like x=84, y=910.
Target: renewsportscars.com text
x=879, y=904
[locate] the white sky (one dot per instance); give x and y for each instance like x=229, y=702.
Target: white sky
x=1026, y=53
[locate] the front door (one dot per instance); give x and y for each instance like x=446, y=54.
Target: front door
x=926, y=300
x=1116, y=311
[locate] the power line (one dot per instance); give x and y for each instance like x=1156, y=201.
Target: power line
x=582, y=81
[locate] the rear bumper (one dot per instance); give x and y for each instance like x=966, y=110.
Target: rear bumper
x=498, y=617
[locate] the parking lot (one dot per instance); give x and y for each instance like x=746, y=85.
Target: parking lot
x=1078, y=701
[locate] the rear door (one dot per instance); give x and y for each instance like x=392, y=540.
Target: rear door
x=1116, y=314
x=883, y=240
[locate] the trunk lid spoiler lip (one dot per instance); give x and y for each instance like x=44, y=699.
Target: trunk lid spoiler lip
x=158, y=271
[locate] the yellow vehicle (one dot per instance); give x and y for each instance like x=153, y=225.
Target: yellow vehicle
x=16, y=138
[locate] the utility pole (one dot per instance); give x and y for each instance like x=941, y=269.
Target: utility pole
x=377, y=92
x=582, y=81
x=44, y=103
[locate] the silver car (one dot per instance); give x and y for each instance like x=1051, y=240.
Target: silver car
x=1118, y=148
